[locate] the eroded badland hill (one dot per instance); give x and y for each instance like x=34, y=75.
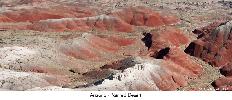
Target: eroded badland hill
x=116, y=45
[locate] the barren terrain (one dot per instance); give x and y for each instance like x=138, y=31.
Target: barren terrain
x=115, y=45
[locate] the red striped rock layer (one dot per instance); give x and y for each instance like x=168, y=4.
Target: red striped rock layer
x=167, y=67
x=92, y=47
x=69, y=18
x=82, y=24
x=166, y=44
x=55, y=12
x=214, y=46
x=166, y=37
x=142, y=16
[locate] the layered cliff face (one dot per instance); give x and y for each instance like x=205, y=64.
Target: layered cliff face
x=213, y=46
x=113, y=45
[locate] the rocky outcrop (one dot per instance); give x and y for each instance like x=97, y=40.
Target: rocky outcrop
x=93, y=45
x=142, y=16
x=213, y=46
x=115, y=21
x=166, y=37
x=102, y=23
x=71, y=18
x=167, y=66
x=166, y=44
x=88, y=62
x=144, y=74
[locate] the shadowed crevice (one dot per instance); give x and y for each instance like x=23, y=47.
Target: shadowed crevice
x=162, y=53
x=147, y=40
x=190, y=49
x=199, y=33
x=214, y=85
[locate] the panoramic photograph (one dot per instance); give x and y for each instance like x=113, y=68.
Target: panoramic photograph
x=115, y=45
